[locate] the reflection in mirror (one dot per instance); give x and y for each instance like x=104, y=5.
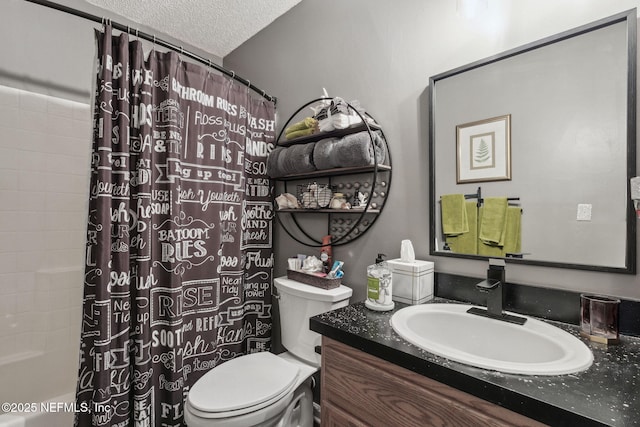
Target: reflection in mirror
x=531, y=152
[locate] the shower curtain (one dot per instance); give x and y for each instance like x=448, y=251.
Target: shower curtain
x=179, y=254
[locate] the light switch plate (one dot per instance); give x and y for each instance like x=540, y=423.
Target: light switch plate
x=584, y=212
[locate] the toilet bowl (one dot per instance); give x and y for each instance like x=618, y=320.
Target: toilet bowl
x=259, y=389
x=264, y=389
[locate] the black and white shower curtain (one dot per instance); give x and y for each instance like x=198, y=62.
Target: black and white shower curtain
x=179, y=253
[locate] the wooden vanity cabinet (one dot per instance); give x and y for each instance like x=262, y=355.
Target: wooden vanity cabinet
x=362, y=390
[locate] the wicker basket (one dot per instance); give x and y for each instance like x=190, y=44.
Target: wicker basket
x=313, y=280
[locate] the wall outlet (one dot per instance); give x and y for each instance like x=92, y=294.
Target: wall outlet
x=584, y=212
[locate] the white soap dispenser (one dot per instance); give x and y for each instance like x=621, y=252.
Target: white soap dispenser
x=379, y=286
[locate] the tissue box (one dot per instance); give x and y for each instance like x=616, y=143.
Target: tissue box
x=412, y=280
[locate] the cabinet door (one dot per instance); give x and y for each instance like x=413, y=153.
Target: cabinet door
x=375, y=392
x=333, y=416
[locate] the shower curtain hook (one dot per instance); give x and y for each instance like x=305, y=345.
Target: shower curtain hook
x=210, y=68
x=248, y=86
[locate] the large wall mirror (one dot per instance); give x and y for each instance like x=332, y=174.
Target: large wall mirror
x=550, y=126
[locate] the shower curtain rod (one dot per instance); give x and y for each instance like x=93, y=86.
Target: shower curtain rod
x=153, y=39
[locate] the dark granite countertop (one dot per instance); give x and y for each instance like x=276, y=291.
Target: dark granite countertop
x=608, y=393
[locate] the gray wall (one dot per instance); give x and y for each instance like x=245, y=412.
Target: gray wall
x=382, y=53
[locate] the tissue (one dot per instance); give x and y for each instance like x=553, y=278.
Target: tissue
x=407, y=253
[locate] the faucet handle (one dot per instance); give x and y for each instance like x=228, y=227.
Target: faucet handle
x=487, y=285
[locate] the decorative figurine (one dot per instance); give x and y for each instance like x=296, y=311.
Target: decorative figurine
x=362, y=199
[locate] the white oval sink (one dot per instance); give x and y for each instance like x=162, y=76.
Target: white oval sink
x=535, y=348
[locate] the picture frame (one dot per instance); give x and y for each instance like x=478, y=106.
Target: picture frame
x=483, y=150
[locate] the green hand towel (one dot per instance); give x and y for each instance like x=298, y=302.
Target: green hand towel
x=454, y=214
x=467, y=243
x=483, y=248
x=492, y=224
x=511, y=240
x=513, y=234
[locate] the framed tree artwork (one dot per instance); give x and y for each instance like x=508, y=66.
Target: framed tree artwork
x=484, y=150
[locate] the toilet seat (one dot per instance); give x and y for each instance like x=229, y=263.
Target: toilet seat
x=249, y=383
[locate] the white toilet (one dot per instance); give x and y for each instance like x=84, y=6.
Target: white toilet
x=264, y=389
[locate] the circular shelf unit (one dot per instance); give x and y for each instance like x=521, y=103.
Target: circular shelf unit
x=344, y=225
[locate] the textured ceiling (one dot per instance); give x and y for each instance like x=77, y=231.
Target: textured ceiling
x=215, y=26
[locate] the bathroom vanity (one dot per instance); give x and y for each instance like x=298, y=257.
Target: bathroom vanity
x=371, y=376
x=353, y=379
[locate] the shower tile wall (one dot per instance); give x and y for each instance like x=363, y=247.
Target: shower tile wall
x=44, y=179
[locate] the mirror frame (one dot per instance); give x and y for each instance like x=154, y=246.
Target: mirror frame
x=630, y=18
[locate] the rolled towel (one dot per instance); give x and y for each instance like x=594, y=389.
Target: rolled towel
x=322, y=153
x=299, y=159
x=272, y=162
x=338, y=121
x=350, y=151
x=299, y=133
x=306, y=124
x=290, y=160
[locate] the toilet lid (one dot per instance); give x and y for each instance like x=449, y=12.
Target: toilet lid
x=243, y=382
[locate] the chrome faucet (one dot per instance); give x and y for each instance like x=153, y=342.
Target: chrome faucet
x=494, y=288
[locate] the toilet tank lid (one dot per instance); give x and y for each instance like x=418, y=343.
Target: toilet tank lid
x=293, y=287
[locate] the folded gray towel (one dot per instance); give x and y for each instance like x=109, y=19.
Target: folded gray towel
x=290, y=160
x=353, y=150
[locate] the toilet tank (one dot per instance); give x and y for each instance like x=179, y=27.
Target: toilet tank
x=298, y=302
